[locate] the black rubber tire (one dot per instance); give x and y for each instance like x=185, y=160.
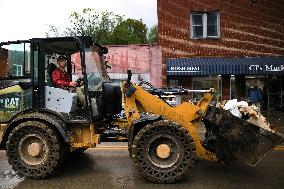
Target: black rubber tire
x=163, y=170
x=53, y=153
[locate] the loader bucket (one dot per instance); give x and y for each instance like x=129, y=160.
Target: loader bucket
x=233, y=138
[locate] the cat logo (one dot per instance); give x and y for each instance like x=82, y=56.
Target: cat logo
x=10, y=103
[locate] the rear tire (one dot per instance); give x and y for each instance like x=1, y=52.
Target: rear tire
x=34, y=150
x=163, y=152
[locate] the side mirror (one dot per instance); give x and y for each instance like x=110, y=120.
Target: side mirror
x=108, y=66
x=129, y=75
x=104, y=50
x=73, y=68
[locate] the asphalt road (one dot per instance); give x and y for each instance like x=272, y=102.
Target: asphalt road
x=109, y=166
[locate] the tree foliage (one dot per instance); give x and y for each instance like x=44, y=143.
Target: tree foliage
x=153, y=34
x=91, y=23
x=53, y=31
x=130, y=31
x=104, y=27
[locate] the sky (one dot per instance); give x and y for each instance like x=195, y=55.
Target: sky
x=25, y=19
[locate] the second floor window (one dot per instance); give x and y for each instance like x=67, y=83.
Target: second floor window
x=204, y=25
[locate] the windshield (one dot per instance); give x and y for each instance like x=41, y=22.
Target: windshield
x=96, y=69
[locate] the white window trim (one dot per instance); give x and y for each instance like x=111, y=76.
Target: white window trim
x=191, y=24
x=218, y=27
x=204, y=21
x=204, y=25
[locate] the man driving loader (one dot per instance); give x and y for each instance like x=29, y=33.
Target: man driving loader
x=62, y=79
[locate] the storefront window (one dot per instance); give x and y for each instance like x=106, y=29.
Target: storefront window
x=203, y=83
x=272, y=90
x=276, y=95
x=173, y=83
x=233, y=87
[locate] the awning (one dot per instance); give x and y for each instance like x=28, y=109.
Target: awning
x=225, y=66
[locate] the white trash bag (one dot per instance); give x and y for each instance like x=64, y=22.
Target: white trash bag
x=232, y=106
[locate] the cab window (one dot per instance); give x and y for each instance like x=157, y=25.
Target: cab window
x=15, y=60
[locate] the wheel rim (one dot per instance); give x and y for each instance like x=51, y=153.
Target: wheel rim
x=33, y=149
x=163, y=151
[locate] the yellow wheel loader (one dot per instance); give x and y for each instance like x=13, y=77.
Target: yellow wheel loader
x=164, y=143
x=40, y=122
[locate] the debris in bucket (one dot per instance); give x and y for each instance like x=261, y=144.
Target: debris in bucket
x=255, y=117
x=248, y=138
x=249, y=113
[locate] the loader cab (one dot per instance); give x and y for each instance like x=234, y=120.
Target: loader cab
x=26, y=83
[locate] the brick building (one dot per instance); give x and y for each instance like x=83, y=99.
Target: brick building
x=229, y=45
x=143, y=60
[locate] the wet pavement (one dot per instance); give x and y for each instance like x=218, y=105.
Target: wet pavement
x=276, y=122
x=109, y=167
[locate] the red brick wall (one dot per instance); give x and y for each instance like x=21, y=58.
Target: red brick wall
x=246, y=29
x=139, y=58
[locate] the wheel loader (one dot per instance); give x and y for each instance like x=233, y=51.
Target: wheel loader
x=42, y=123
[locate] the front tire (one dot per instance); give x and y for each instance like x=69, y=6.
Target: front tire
x=163, y=152
x=34, y=150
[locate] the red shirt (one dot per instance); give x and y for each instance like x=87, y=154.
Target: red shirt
x=61, y=78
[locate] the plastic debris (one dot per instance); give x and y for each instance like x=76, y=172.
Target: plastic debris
x=232, y=106
x=241, y=109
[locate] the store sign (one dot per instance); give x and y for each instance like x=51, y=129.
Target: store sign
x=268, y=68
x=225, y=66
x=184, y=69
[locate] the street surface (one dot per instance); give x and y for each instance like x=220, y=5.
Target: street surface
x=109, y=166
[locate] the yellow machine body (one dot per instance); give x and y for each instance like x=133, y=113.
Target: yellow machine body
x=186, y=114
x=83, y=136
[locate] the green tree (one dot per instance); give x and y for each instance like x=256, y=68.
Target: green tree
x=104, y=27
x=153, y=34
x=130, y=31
x=91, y=23
x=53, y=31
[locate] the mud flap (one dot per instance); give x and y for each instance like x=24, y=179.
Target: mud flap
x=233, y=138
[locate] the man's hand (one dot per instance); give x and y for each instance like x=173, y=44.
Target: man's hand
x=73, y=84
x=80, y=81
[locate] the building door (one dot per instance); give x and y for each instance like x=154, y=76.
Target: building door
x=261, y=83
x=275, y=95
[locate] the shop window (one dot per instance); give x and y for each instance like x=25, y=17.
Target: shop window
x=204, y=83
x=204, y=25
x=173, y=83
